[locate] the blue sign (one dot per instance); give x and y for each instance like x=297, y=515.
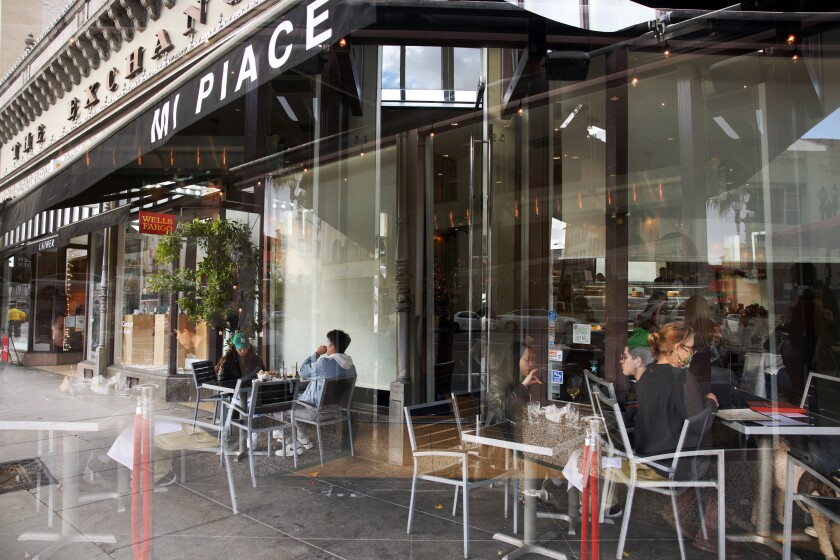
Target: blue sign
x=552, y=315
x=557, y=376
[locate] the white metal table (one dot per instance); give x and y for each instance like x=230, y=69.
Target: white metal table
x=523, y=439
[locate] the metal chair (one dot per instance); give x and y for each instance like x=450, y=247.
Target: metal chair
x=203, y=372
x=333, y=407
x=435, y=440
x=467, y=408
x=595, y=385
x=268, y=399
x=666, y=463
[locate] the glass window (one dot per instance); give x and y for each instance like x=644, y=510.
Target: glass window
x=144, y=332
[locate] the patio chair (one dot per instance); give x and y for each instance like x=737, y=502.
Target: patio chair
x=333, y=407
x=268, y=399
x=828, y=505
x=203, y=372
x=594, y=385
x=667, y=463
x=467, y=408
x=435, y=441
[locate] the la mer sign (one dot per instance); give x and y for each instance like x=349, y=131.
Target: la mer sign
x=155, y=223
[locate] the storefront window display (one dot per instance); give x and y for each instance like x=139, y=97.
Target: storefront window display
x=144, y=333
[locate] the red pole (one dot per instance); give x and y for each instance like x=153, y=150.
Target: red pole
x=584, y=523
x=593, y=493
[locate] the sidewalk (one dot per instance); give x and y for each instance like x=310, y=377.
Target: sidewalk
x=351, y=508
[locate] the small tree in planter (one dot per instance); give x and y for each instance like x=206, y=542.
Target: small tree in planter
x=216, y=291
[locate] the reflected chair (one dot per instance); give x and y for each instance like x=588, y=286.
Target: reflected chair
x=333, y=407
x=203, y=372
x=436, y=443
x=669, y=483
x=263, y=414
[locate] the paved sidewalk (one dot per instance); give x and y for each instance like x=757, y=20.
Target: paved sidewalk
x=351, y=508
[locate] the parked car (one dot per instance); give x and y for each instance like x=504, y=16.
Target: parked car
x=532, y=319
x=466, y=320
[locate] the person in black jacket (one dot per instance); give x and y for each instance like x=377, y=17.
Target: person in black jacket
x=668, y=394
x=510, y=381
x=240, y=361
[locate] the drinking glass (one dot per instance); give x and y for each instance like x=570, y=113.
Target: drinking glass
x=573, y=388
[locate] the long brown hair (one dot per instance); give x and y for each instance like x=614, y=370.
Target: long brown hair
x=699, y=318
x=665, y=340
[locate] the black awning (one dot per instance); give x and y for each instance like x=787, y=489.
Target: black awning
x=46, y=243
x=275, y=48
x=94, y=223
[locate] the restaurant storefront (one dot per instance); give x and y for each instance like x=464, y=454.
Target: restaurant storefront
x=440, y=181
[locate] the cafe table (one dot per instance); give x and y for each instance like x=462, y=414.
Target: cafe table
x=539, y=441
x=764, y=432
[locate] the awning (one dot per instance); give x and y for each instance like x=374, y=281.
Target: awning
x=46, y=243
x=278, y=46
x=94, y=223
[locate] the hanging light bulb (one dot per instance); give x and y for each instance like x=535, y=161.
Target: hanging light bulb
x=634, y=81
x=791, y=39
x=795, y=56
x=432, y=133
x=667, y=52
x=520, y=111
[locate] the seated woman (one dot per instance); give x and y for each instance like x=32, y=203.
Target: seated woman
x=240, y=361
x=668, y=394
x=509, y=385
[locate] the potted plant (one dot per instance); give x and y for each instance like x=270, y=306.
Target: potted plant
x=221, y=288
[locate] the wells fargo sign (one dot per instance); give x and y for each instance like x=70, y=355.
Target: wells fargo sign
x=155, y=223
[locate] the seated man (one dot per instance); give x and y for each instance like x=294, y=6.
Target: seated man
x=327, y=362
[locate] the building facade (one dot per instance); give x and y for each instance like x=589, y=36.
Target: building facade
x=439, y=179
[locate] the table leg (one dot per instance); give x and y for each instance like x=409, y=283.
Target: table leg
x=529, y=544
x=764, y=489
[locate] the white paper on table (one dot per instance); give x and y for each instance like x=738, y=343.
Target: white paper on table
x=741, y=415
x=122, y=451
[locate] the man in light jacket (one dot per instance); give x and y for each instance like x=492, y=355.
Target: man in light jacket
x=327, y=362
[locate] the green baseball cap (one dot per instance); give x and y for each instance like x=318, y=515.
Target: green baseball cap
x=241, y=341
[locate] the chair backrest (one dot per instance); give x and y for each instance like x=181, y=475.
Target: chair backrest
x=614, y=423
x=596, y=384
x=822, y=397
x=467, y=408
x=269, y=397
x=691, y=437
x=337, y=392
x=432, y=426
x=203, y=372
